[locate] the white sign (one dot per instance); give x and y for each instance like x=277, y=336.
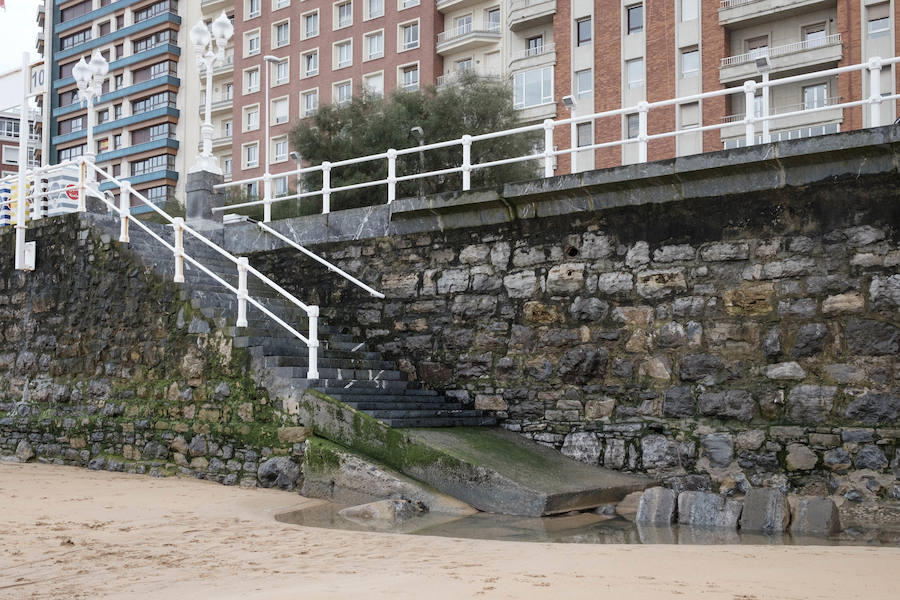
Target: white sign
x=37, y=82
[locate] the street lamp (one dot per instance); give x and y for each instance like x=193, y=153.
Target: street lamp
x=569, y=102
x=209, y=46
x=89, y=76
x=267, y=181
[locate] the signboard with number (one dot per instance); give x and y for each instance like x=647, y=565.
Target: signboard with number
x=37, y=81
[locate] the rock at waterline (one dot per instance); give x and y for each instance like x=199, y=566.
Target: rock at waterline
x=384, y=512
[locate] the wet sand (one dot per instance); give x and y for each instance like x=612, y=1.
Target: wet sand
x=73, y=533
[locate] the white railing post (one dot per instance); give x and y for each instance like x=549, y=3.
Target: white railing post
x=749, y=96
x=643, y=110
x=548, y=147
x=82, y=186
x=875, y=91
x=124, y=211
x=267, y=197
x=392, y=176
x=467, y=162
x=39, y=197
x=326, y=187
x=313, y=345
x=243, y=263
x=765, y=108
x=178, y=224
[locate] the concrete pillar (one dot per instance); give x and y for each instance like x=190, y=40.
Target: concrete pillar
x=201, y=198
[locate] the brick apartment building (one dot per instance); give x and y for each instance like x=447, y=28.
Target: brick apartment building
x=615, y=53
x=9, y=141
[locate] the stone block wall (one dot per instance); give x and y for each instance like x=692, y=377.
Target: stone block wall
x=738, y=341
x=104, y=364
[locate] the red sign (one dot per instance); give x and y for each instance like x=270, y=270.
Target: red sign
x=72, y=191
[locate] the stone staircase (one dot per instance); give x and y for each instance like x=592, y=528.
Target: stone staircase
x=348, y=370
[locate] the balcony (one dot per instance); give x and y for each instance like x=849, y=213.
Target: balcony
x=455, y=76
x=219, y=105
x=218, y=143
x=525, y=13
x=533, y=57
x=448, y=5
x=227, y=66
x=469, y=37
x=750, y=12
x=789, y=57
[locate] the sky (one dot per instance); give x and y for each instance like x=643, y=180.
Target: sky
x=18, y=31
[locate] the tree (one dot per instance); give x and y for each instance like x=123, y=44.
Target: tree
x=370, y=125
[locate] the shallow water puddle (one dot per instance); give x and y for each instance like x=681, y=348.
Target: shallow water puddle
x=579, y=528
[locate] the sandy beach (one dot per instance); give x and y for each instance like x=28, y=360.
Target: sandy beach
x=72, y=533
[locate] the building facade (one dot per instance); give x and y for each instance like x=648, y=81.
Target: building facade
x=9, y=141
x=617, y=53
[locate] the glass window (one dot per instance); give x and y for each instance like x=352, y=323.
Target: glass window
x=254, y=7
x=583, y=83
x=282, y=34
x=814, y=96
x=251, y=118
x=409, y=77
x=408, y=3
x=690, y=10
x=375, y=84
x=281, y=149
x=632, y=126
x=584, y=132
x=535, y=46
x=464, y=65
x=251, y=155
x=374, y=8
x=252, y=43
x=690, y=115
x=311, y=25
x=410, y=36
x=252, y=80
x=583, y=31
x=226, y=164
x=310, y=103
x=493, y=19
x=282, y=4
x=344, y=15
x=282, y=72
x=311, y=64
x=635, y=16
x=690, y=62
x=814, y=35
x=280, y=185
x=533, y=88
x=758, y=46
x=280, y=111
x=375, y=45
x=634, y=72
x=227, y=128
x=463, y=24
x=344, y=52
x=343, y=92
x=879, y=20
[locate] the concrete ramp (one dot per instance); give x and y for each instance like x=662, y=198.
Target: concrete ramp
x=493, y=470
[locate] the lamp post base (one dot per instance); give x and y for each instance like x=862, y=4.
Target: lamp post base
x=210, y=164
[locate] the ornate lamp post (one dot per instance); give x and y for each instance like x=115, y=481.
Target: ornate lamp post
x=90, y=77
x=210, y=50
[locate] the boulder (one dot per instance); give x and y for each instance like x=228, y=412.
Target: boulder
x=656, y=507
x=583, y=446
x=766, y=511
x=870, y=456
x=24, y=451
x=800, y=458
x=719, y=447
x=382, y=512
x=814, y=514
x=707, y=509
x=280, y=472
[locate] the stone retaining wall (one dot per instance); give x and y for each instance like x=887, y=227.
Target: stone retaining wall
x=737, y=341
x=102, y=364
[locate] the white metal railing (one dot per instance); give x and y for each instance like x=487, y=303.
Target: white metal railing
x=456, y=33
x=549, y=153
x=453, y=76
x=536, y=51
x=88, y=185
x=780, y=110
x=776, y=51
x=734, y=3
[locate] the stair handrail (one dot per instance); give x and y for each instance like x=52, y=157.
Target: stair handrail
x=331, y=267
x=124, y=212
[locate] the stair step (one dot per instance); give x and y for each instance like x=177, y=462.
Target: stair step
x=274, y=330
x=407, y=405
x=423, y=413
x=276, y=348
x=344, y=374
x=326, y=384
x=272, y=362
x=441, y=422
x=357, y=393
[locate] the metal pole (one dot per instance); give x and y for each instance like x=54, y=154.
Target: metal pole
x=242, y=292
x=875, y=91
x=749, y=130
x=313, y=345
x=267, y=198
x=125, y=211
x=392, y=179
x=467, y=162
x=643, y=109
x=178, y=223
x=765, y=108
x=573, y=141
x=548, y=147
x=23, y=165
x=326, y=185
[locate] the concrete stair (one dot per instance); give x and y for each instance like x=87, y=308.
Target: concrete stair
x=348, y=370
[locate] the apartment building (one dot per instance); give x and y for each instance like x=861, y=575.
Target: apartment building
x=9, y=140
x=330, y=51
x=615, y=53
x=146, y=131
x=222, y=114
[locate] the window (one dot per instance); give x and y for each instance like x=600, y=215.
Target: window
x=155, y=9
x=251, y=117
x=70, y=41
x=463, y=24
x=152, y=41
x=228, y=91
x=117, y=141
x=879, y=20
x=251, y=43
x=65, y=154
x=280, y=150
x=409, y=77
x=117, y=111
x=226, y=166
x=535, y=46
x=310, y=25
x=82, y=8
x=282, y=34
x=11, y=155
x=160, y=100
x=634, y=72
x=374, y=84
x=758, y=46
x=814, y=35
x=464, y=65
x=227, y=128
x=690, y=10
x=583, y=84
x=343, y=15
x=153, y=164
x=254, y=8
x=492, y=17
x=814, y=96
x=280, y=184
x=280, y=4
x=343, y=92
x=159, y=193
x=310, y=102
x=690, y=115
x=632, y=126
x=103, y=116
x=252, y=189
x=374, y=8
x=635, y=18
x=105, y=28
x=251, y=156
x=583, y=31
x=375, y=45
x=533, y=88
x=409, y=36
x=343, y=54
x=584, y=134
x=408, y=3
x=311, y=63
x=690, y=62
x=280, y=110
x=282, y=72
x=251, y=80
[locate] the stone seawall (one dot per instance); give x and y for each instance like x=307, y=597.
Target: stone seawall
x=104, y=364
x=730, y=341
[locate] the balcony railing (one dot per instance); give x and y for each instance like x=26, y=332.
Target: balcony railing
x=784, y=109
x=733, y=3
x=776, y=51
x=468, y=30
x=531, y=52
x=454, y=76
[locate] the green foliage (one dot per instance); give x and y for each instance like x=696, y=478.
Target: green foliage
x=281, y=209
x=370, y=125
